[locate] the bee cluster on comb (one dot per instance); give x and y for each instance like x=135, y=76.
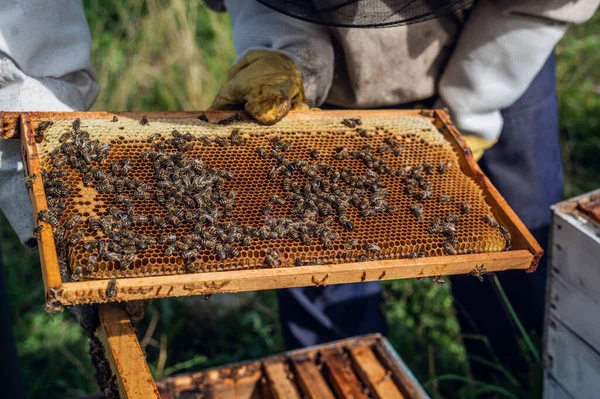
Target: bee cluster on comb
x=200, y=196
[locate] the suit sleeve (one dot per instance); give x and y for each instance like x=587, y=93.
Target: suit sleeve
x=503, y=46
x=44, y=66
x=256, y=26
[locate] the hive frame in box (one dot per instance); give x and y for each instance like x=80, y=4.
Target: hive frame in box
x=524, y=254
x=372, y=359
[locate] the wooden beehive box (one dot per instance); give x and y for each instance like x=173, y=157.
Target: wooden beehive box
x=360, y=367
x=408, y=250
x=572, y=328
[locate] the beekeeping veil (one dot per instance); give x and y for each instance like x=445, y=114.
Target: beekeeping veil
x=365, y=13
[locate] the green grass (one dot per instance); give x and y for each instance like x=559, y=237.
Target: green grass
x=173, y=55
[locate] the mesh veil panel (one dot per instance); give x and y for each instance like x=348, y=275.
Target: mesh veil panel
x=365, y=13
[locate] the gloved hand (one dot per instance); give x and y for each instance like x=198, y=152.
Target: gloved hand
x=266, y=83
x=478, y=145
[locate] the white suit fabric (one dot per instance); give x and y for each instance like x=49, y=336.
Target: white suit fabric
x=44, y=66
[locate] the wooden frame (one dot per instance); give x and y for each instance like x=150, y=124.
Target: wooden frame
x=336, y=369
x=124, y=354
x=525, y=252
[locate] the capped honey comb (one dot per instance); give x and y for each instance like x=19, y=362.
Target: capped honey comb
x=398, y=235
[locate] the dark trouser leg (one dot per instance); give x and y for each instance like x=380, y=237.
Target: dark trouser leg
x=526, y=167
x=314, y=315
x=11, y=380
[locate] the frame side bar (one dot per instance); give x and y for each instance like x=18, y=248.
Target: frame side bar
x=524, y=239
x=124, y=354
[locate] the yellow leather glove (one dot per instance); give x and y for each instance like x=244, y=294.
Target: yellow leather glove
x=478, y=145
x=266, y=83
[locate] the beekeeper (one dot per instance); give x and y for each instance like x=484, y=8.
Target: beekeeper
x=491, y=64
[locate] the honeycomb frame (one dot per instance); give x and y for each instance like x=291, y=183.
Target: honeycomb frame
x=524, y=254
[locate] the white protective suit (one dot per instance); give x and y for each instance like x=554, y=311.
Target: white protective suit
x=477, y=69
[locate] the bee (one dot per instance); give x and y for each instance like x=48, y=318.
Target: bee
x=29, y=181
x=489, y=220
x=39, y=133
x=140, y=194
x=76, y=124
x=465, y=207
x=427, y=168
x=77, y=272
x=346, y=223
x=231, y=119
x=507, y=237
x=220, y=252
x=298, y=262
x=111, y=288
x=438, y=280
x=72, y=222
x=272, y=258
x=246, y=240
x=137, y=219
x=351, y=243
x=75, y=238
x=363, y=133
x=267, y=209
x=228, y=209
x=190, y=254
x=152, y=138
x=109, y=256
x=176, y=212
x=93, y=224
x=351, y=122
x=60, y=161
x=409, y=189
x=49, y=217
x=417, y=210
x=286, y=184
x=341, y=153
x=314, y=154
x=174, y=220
x=452, y=218
x=160, y=222
x=444, y=166
x=144, y=120
x=451, y=240
x=114, y=118
x=447, y=229
x=37, y=231
x=449, y=249
x=478, y=272
x=205, y=140
x=92, y=262
x=444, y=198
x=286, y=146
x=87, y=178
x=89, y=245
x=398, y=151
x=371, y=247
x=326, y=241
x=234, y=252
x=277, y=200
x=383, y=149
x=221, y=141
x=423, y=195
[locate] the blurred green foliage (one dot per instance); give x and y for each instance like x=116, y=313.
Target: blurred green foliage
x=173, y=55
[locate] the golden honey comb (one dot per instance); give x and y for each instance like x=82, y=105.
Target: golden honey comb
x=398, y=234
